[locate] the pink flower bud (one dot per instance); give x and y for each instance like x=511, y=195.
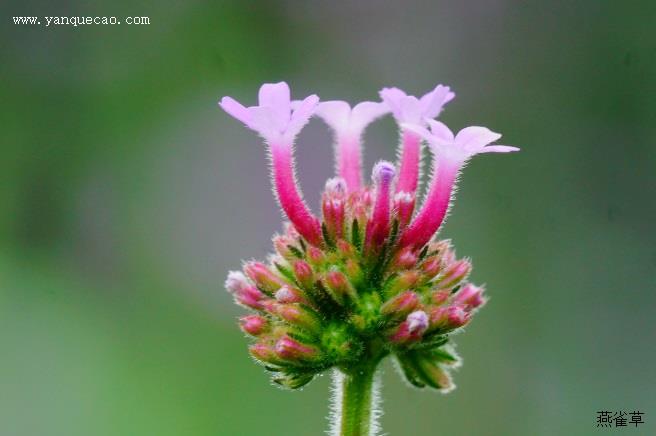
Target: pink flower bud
x=448, y=318
x=431, y=266
x=405, y=280
x=411, y=329
x=340, y=286
x=263, y=277
x=236, y=281
x=406, y=258
x=333, y=207
x=457, y=316
x=439, y=297
x=345, y=248
x=378, y=227
x=244, y=292
x=304, y=274
x=284, y=245
x=300, y=316
x=417, y=322
x=455, y=273
x=287, y=294
x=404, y=205
x=289, y=349
x=264, y=353
x=253, y=325
x=315, y=256
x=470, y=296
x=401, y=305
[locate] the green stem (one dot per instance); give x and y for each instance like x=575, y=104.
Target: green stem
x=357, y=397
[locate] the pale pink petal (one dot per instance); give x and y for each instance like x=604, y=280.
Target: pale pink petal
x=499, y=149
x=474, y=138
x=335, y=114
x=433, y=102
x=366, y=112
x=419, y=130
x=277, y=97
x=236, y=110
x=301, y=116
x=440, y=130
x=393, y=97
x=410, y=110
x=263, y=121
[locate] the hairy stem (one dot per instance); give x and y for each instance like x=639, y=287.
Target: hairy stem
x=355, y=400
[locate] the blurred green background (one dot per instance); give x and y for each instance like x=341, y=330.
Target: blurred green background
x=126, y=195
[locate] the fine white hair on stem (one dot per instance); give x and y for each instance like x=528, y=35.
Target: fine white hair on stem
x=336, y=392
x=376, y=403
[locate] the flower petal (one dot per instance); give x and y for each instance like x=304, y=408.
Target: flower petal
x=410, y=110
x=301, y=116
x=236, y=110
x=419, y=130
x=335, y=113
x=366, y=112
x=277, y=97
x=499, y=149
x=440, y=130
x=393, y=97
x=263, y=121
x=474, y=138
x=433, y=102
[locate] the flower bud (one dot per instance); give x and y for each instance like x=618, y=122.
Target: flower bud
x=440, y=297
x=291, y=350
x=340, y=286
x=455, y=273
x=253, y=325
x=236, y=281
x=431, y=266
x=285, y=246
x=411, y=329
x=304, y=274
x=345, y=248
x=299, y=315
x=404, y=280
x=448, y=318
x=470, y=296
x=264, y=353
x=263, y=277
x=404, y=204
x=354, y=272
x=406, y=258
x=287, y=294
x=434, y=375
x=244, y=292
x=400, y=306
x=315, y=256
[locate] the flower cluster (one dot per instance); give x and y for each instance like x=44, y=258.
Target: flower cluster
x=367, y=278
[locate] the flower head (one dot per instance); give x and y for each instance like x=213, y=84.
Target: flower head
x=364, y=279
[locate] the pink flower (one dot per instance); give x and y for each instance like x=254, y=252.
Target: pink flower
x=278, y=124
x=413, y=110
x=273, y=118
x=450, y=152
x=457, y=149
x=349, y=124
x=410, y=109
